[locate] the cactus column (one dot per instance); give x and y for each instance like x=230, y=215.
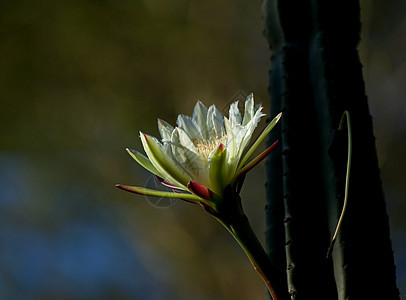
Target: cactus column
x=315, y=76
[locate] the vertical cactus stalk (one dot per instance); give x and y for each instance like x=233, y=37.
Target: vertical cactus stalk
x=315, y=76
x=288, y=30
x=274, y=209
x=362, y=256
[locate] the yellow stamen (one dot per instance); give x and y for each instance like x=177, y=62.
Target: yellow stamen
x=205, y=147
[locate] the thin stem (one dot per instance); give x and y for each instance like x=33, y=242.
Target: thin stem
x=242, y=232
x=347, y=179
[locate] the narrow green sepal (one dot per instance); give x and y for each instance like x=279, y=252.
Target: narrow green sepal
x=256, y=160
x=143, y=161
x=155, y=193
x=259, y=140
x=158, y=156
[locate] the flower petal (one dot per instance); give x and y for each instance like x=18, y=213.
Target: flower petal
x=239, y=133
x=165, y=129
x=234, y=114
x=259, y=140
x=215, y=122
x=231, y=148
x=186, y=123
x=143, y=161
x=249, y=109
x=155, y=193
x=162, y=159
x=244, y=140
x=199, y=118
x=184, y=140
x=186, y=154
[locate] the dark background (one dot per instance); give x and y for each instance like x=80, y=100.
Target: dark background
x=79, y=79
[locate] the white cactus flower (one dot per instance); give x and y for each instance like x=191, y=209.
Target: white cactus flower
x=204, y=153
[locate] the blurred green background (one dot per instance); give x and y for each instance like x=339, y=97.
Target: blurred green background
x=79, y=79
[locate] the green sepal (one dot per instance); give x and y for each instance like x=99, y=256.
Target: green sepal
x=217, y=169
x=143, y=161
x=256, y=160
x=259, y=140
x=163, y=162
x=155, y=193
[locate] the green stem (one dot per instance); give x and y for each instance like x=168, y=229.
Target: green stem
x=236, y=222
x=255, y=252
